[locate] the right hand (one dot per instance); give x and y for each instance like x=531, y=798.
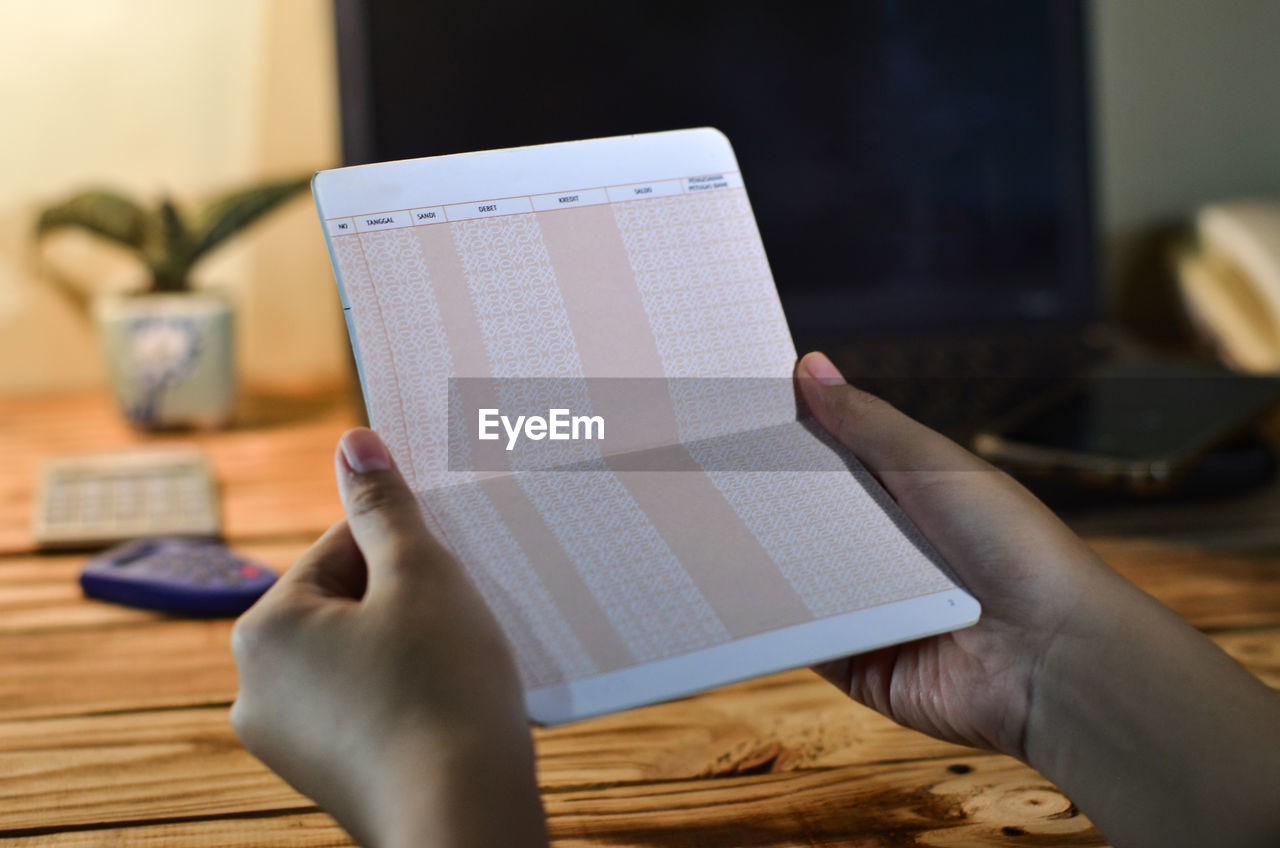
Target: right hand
x=1027, y=569
x=1156, y=733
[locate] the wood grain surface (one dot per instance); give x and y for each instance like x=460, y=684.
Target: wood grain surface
x=114, y=731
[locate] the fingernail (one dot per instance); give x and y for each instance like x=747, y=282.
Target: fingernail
x=364, y=451
x=821, y=369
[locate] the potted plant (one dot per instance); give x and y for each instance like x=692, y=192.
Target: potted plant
x=169, y=347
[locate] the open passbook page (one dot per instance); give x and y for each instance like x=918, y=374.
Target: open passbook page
x=577, y=355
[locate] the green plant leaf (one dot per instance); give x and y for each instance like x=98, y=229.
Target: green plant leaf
x=101, y=212
x=170, y=249
x=227, y=215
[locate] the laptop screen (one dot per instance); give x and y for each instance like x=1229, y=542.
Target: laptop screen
x=912, y=164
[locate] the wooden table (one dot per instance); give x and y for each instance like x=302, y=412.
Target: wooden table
x=113, y=722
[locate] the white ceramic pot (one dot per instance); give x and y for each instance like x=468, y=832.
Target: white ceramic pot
x=170, y=357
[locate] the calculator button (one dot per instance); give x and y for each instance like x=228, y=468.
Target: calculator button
x=111, y=497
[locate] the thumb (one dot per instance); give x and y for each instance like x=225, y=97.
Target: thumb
x=883, y=439
x=382, y=511
x=930, y=476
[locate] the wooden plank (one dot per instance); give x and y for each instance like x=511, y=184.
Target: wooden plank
x=1211, y=589
x=1256, y=650
x=91, y=669
x=979, y=801
x=669, y=763
x=284, y=830
x=275, y=469
x=182, y=766
x=128, y=766
x=66, y=655
x=782, y=724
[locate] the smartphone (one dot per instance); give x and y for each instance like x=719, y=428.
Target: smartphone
x=1136, y=425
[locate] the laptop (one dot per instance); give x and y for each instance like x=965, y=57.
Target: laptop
x=919, y=170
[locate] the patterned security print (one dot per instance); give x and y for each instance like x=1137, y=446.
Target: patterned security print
x=397, y=302
x=648, y=596
x=714, y=313
x=712, y=316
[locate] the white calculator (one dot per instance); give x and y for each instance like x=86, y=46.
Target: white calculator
x=91, y=500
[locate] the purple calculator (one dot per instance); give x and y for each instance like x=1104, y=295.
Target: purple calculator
x=178, y=575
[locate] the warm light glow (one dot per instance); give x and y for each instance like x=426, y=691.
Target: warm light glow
x=148, y=95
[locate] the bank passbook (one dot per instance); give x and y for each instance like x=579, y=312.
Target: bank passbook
x=577, y=356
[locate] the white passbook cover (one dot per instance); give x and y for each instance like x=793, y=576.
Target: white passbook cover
x=711, y=536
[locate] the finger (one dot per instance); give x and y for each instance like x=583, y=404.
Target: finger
x=331, y=568
x=382, y=512
x=963, y=505
x=867, y=678
x=880, y=436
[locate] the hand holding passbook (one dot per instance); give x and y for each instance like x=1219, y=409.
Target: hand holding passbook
x=577, y=356
x=374, y=679
x=390, y=672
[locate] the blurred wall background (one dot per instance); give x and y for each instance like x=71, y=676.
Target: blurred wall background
x=1186, y=111
x=204, y=95
x=192, y=97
